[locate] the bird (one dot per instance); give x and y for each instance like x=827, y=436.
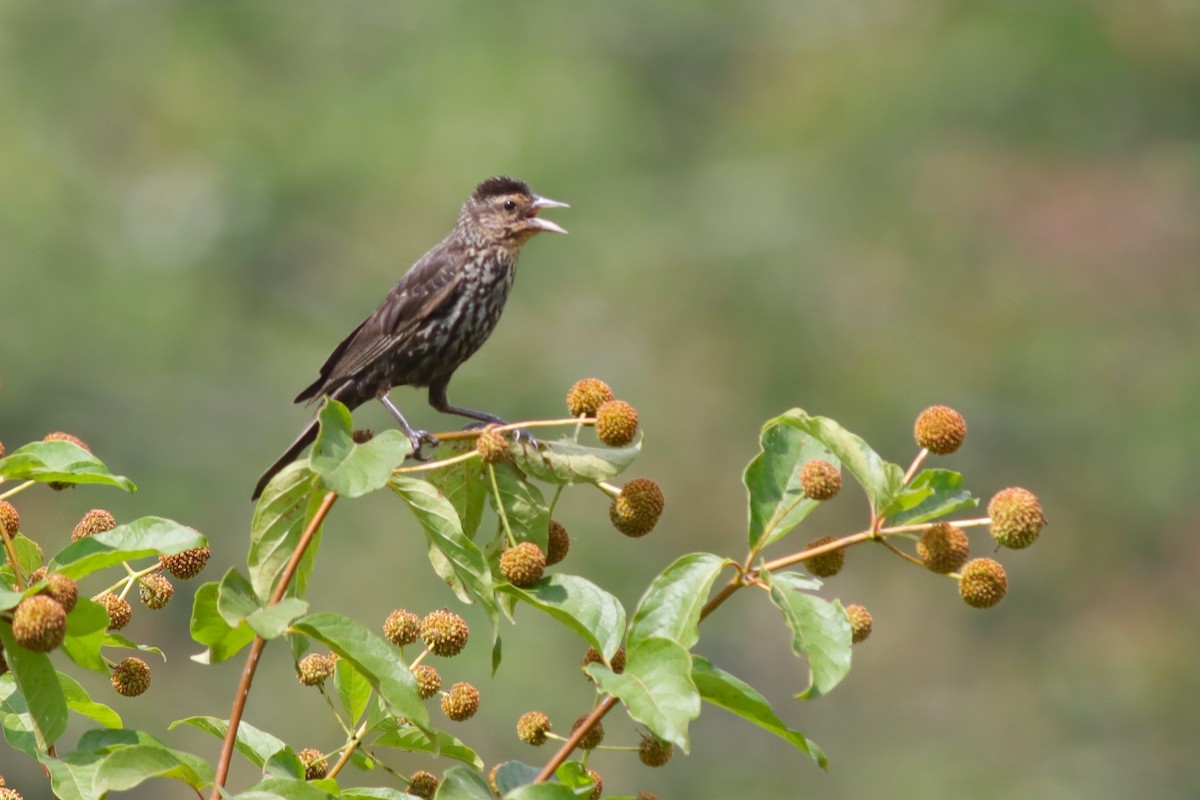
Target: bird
x=438, y=314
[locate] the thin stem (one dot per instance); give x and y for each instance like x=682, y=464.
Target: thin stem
x=900, y=552
x=12, y=556
x=432, y=465
x=912, y=470
x=608, y=488
x=127, y=582
x=256, y=647
x=19, y=488
x=473, y=433
x=512, y=540
x=348, y=751
x=575, y=738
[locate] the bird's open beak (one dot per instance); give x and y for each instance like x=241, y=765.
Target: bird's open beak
x=544, y=224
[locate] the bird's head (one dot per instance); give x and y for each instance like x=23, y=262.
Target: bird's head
x=505, y=212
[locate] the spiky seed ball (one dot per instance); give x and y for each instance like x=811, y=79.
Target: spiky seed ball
x=523, y=565
x=940, y=429
x=616, y=423
x=461, y=702
x=98, y=520
x=592, y=656
x=944, y=548
x=314, y=669
x=187, y=564
x=9, y=517
x=595, y=735
x=39, y=623
x=558, y=544
x=362, y=435
x=10, y=794
x=635, y=511
x=598, y=787
x=131, y=677
x=492, y=445
x=586, y=396
x=402, y=627
x=820, y=479
x=654, y=752
x=423, y=784
x=155, y=590
x=532, y=728
x=37, y=575
x=983, y=583
x=860, y=622
x=119, y=610
x=445, y=633
x=61, y=588
x=827, y=565
x=429, y=682
x=59, y=436
x=1017, y=517
x=315, y=767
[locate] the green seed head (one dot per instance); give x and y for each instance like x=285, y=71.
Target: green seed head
x=131, y=677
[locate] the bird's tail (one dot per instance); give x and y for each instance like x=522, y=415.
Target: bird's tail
x=305, y=438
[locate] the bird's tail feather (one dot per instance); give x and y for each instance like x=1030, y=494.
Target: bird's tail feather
x=302, y=441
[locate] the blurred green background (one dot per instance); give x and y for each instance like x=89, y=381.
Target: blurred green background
x=857, y=208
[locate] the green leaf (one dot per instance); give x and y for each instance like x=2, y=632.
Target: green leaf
x=524, y=506
x=15, y=719
x=86, y=626
x=718, y=687
x=410, y=740
x=271, y=623
x=463, y=565
x=464, y=485
x=776, y=498
x=514, y=774
x=564, y=461
x=59, y=462
x=256, y=745
x=29, y=558
x=656, y=688
x=236, y=599
x=352, y=690
x=117, y=640
x=670, y=607
x=148, y=536
x=820, y=635
x=80, y=702
x=132, y=757
x=352, y=469
x=73, y=776
x=460, y=783
x=547, y=791
x=931, y=494
x=374, y=793
x=282, y=513
x=38, y=682
x=209, y=628
x=374, y=658
x=579, y=604
x=880, y=479
x=286, y=789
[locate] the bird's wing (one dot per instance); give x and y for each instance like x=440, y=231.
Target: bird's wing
x=426, y=287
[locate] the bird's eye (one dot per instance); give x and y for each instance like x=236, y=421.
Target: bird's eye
x=510, y=205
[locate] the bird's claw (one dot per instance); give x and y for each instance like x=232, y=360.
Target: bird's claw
x=418, y=440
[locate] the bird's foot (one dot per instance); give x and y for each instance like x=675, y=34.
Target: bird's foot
x=418, y=439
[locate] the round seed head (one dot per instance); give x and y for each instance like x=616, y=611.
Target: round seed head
x=423, y=784
x=9, y=517
x=592, y=656
x=827, y=565
x=821, y=480
x=592, y=739
x=98, y=520
x=429, y=682
x=523, y=565
x=315, y=766
x=558, y=544
x=187, y=564
x=461, y=702
x=598, y=785
x=616, y=423
x=39, y=623
x=532, y=728
x=61, y=588
x=155, y=590
x=119, y=611
x=402, y=627
x=362, y=435
x=860, y=622
x=586, y=396
x=943, y=548
x=654, y=752
x=314, y=669
x=940, y=429
x=1017, y=517
x=9, y=794
x=983, y=583
x=492, y=445
x=635, y=511
x=131, y=677
x=444, y=632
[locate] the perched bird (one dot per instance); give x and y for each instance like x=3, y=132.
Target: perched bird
x=441, y=311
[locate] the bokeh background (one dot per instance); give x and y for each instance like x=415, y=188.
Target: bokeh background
x=858, y=208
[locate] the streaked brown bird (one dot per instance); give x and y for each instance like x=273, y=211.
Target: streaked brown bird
x=441, y=311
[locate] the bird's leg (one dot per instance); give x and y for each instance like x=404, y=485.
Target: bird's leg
x=438, y=399
x=417, y=438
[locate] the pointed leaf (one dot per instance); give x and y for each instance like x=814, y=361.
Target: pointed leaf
x=411, y=740
x=820, y=635
x=43, y=694
x=282, y=513
x=209, y=628
x=524, y=506
x=29, y=558
x=256, y=745
x=777, y=500
x=671, y=606
x=80, y=702
x=564, y=461
x=59, y=462
x=353, y=691
x=581, y=605
x=73, y=776
x=464, y=485
x=460, y=783
x=349, y=468
x=86, y=626
x=718, y=687
x=148, y=536
x=275, y=788
x=656, y=688
x=271, y=623
x=931, y=494
x=514, y=774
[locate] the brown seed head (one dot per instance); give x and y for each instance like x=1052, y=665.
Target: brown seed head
x=362, y=435
x=9, y=517
x=636, y=510
x=61, y=588
x=983, y=583
x=423, y=784
x=98, y=520
x=532, y=728
x=860, y=622
x=429, y=682
x=827, y=565
x=595, y=735
x=314, y=669
x=445, y=633
x=155, y=590
x=119, y=611
x=586, y=396
x=944, y=548
x=654, y=752
x=616, y=423
x=461, y=702
x=131, y=677
x=59, y=436
x=592, y=656
x=598, y=785
x=940, y=429
x=187, y=564
x=315, y=766
x=402, y=627
x=1017, y=517
x=821, y=480
x=523, y=565
x=492, y=445
x=558, y=544
x=39, y=623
